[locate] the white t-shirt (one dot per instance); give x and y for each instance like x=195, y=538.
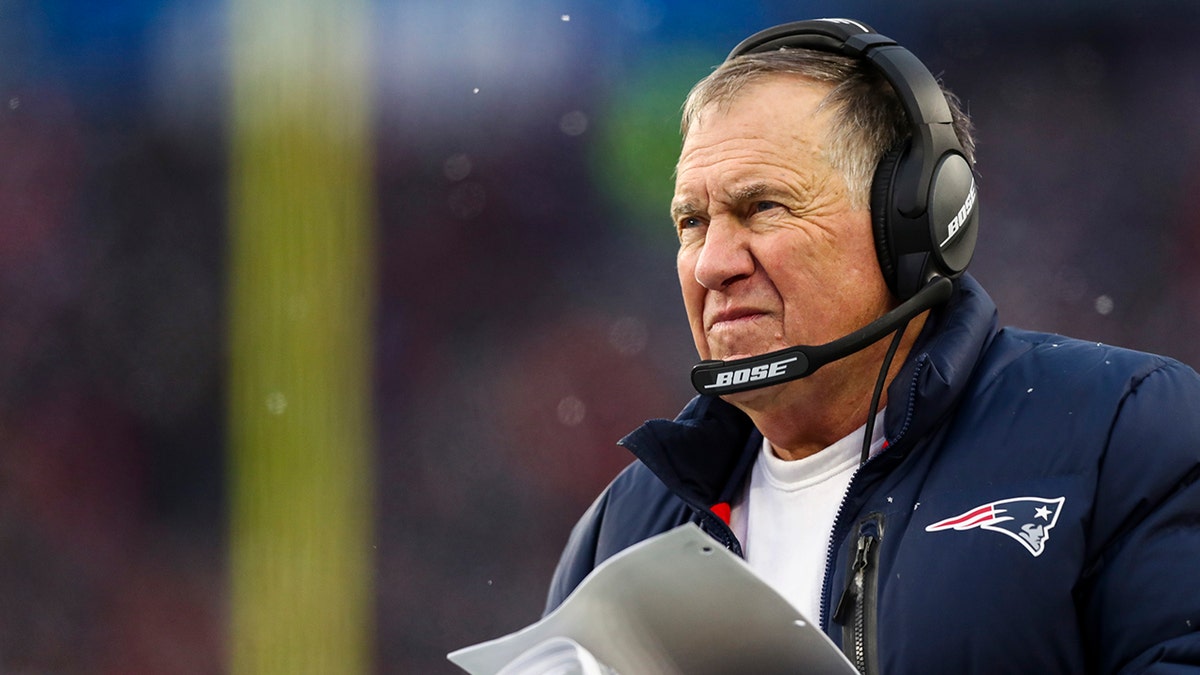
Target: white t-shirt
x=785, y=515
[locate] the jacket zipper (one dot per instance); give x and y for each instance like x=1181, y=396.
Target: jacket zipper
x=717, y=529
x=831, y=553
x=856, y=609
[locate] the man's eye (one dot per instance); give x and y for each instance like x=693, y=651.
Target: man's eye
x=759, y=207
x=689, y=223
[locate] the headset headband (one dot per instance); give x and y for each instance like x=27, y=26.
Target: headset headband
x=921, y=97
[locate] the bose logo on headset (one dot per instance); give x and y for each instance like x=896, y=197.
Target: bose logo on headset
x=731, y=377
x=957, y=223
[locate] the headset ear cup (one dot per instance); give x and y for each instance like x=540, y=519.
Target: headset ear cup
x=881, y=215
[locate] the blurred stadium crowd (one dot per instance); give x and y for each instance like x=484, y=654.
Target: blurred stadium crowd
x=528, y=313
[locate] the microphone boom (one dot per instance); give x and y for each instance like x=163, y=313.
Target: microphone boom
x=717, y=378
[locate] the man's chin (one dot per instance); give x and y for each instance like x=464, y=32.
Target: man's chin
x=734, y=355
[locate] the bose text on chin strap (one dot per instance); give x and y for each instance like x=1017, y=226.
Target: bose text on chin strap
x=717, y=378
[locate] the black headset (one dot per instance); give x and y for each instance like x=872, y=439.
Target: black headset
x=923, y=196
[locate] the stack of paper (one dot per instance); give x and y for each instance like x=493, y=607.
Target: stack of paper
x=675, y=604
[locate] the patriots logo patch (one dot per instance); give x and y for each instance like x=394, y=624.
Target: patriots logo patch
x=1026, y=519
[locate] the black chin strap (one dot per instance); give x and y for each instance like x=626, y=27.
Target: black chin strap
x=878, y=392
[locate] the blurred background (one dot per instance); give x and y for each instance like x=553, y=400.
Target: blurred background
x=508, y=296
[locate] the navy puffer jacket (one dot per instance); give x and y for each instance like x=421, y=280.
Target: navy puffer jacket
x=1036, y=509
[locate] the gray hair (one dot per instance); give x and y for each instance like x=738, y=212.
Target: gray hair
x=868, y=121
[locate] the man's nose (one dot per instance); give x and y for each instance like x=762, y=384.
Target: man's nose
x=725, y=256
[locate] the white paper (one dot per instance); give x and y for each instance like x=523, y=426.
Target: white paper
x=675, y=604
x=556, y=656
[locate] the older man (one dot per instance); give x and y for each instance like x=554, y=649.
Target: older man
x=961, y=498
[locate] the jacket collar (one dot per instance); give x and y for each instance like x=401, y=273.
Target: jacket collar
x=702, y=454
x=698, y=452
x=941, y=363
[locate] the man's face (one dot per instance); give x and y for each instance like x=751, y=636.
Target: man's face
x=771, y=252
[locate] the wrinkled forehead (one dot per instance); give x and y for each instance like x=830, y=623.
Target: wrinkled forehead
x=732, y=79
x=780, y=110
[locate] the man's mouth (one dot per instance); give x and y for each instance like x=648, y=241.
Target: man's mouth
x=734, y=316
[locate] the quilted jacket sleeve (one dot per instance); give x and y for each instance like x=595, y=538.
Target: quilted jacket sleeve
x=634, y=507
x=1139, y=600
x=579, y=555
